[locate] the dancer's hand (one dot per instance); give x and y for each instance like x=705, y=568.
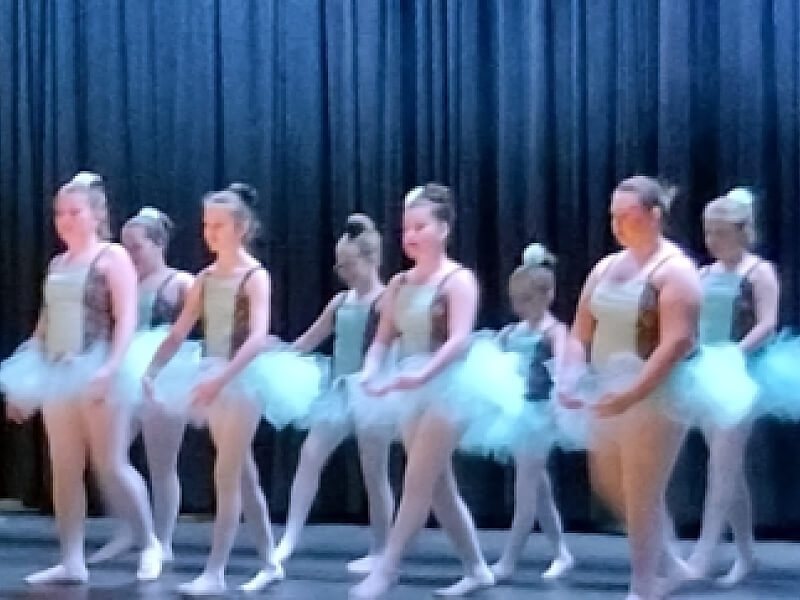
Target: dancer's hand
x=371, y=388
x=100, y=385
x=613, y=404
x=568, y=401
x=407, y=381
x=366, y=379
x=148, y=388
x=16, y=415
x=205, y=392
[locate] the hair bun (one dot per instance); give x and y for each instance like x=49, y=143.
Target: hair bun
x=353, y=229
x=247, y=193
x=537, y=255
x=742, y=196
x=356, y=225
x=88, y=179
x=150, y=213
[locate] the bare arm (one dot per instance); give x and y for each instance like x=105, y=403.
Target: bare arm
x=766, y=292
x=321, y=328
x=121, y=277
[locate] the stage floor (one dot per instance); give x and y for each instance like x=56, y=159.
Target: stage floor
x=27, y=543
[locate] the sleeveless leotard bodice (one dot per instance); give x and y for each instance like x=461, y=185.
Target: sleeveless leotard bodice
x=155, y=309
x=420, y=317
x=535, y=349
x=77, y=308
x=728, y=310
x=354, y=328
x=626, y=316
x=226, y=313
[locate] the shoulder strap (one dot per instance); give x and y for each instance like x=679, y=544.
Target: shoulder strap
x=751, y=268
x=650, y=270
x=612, y=260
x=246, y=276
x=443, y=281
x=163, y=285
x=374, y=304
x=98, y=255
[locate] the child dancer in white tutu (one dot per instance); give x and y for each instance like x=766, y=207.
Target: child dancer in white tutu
x=537, y=338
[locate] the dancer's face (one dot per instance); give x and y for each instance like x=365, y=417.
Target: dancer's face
x=220, y=230
x=631, y=223
x=74, y=218
x=351, y=267
x=531, y=293
x=724, y=240
x=423, y=234
x=145, y=254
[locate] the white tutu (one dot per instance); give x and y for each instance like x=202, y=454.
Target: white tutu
x=477, y=392
x=31, y=380
x=283, y=384
x=711, y=388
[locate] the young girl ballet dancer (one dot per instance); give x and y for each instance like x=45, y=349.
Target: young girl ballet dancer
x=438, y=386
x=352, y=317
x=537, y=338
x=162, y=290
x=74, y=369
x=235, y=383
x=740, y=305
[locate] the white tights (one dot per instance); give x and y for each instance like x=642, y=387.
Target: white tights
x=320, y=443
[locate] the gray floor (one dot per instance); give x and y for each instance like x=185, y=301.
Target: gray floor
x=27, y=543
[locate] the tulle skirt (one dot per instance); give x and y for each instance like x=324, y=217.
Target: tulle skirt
x=776, y=369
x=282, y=384
x=710, y=389
x=331, y=407
x=479, y=394
x=534, y=431
x=30, y=379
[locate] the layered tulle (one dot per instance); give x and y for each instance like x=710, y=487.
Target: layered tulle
x=281, y=383
x=711, y=388
x=30, y=379
x=479, y=393
x=776, y=369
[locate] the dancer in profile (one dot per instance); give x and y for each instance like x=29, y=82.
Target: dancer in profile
x=352, y=317
x=162, y=290
x=74, y=369
x=235, y=383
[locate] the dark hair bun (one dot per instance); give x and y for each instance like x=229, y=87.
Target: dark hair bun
x=247, y=193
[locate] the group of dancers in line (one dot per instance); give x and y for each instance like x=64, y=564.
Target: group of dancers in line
x=656, y=347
